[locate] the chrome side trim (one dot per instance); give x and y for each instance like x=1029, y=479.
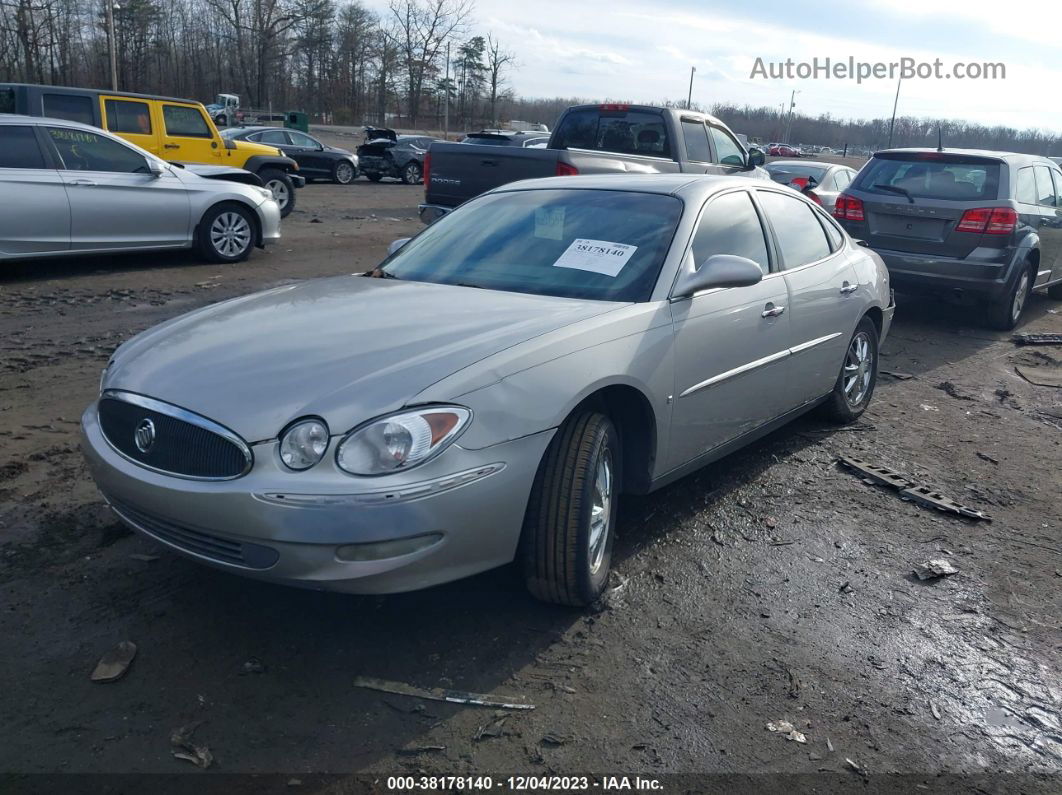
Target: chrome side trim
x=414, y=491
x=812, y=343
x=748, y=366
x=185, y=416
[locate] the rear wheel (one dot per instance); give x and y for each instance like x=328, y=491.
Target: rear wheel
x=858, y=377
x=282, y=187
x=1004, y=313
x=571, y=516
x=343, y=172
x=227, y=233
x=411, y=173
x=223, y=120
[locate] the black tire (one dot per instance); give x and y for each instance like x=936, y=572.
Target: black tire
x=411, y=173
x=283, y=189
x=222, y=121
x=374, y=177
x=344, y=172
x=221, y=237
x=849, y=399
x=559, y=562
x=1055, y=292
x=1004, y=313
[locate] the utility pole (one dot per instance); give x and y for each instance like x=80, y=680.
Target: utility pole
x=895, y=102
x=446, y=101
x=110, y=6
x=789, y=123
x=689, y=96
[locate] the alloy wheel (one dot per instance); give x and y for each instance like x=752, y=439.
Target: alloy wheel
x=230, y=234
x=344, y=173
x=858, y=369
x=280, y=192
x=601, y=510
x=1019, y=297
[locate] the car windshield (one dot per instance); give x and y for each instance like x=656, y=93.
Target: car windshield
x=953, y=177
x=599, y=244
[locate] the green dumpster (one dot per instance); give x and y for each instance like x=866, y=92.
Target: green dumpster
x=297, y=120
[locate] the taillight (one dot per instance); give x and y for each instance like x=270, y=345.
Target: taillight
x=566, y=170
x=813, y=196
x=613, y=106
x=849, y=208
x=988, y=220
x=427, y=170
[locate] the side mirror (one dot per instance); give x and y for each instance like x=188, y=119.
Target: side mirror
x=396, y=244
x=156, y=168
x=756, y=158
x=719, y=270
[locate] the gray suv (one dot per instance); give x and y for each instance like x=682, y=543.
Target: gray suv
x=965, y=222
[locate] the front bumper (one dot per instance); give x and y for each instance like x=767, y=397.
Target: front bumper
x=886, y=317
x=297, y=180
x=269, y=219
x=287, y=527
x=921, y=272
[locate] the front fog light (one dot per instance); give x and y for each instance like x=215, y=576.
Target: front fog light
x=381, y=550
x=303, y=444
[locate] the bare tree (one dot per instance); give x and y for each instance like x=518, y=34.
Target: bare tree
x=424, y=27
x=499, y=61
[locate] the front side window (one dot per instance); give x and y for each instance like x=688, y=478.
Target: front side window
x=696, y=138
x=730, y=152
x=19, y=147
x=1045, y=189
x=81, y=150
x=593, y=244
x=730, y=225
x=800, y=236
x=125, y=116
x=72, y=107
x=186, y=121
x=302, y=139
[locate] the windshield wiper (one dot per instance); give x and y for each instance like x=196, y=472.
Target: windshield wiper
x=379, y=273
x=466, y=284
x=894, y=189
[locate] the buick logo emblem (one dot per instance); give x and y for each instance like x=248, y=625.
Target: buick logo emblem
x=144, y=435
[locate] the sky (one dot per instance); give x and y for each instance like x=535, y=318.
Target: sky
x=643, y=51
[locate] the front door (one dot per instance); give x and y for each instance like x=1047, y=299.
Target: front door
x=731, y=345
x=188, y=135
x=37, y=219
x=305, y=149
x=115, y=200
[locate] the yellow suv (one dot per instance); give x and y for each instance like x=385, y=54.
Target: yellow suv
x=174, y=129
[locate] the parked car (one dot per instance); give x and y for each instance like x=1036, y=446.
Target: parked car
x=387, y=154
x=506, y=138
x=820, y=182
x=963, y=222
x=316, y=160
x=784, y=150
x=75, y=189
x=590, y=139
x=174, y=129
x=589, y=336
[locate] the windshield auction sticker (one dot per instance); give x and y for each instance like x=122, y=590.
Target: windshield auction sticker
x=549, y=223
x=597, y=256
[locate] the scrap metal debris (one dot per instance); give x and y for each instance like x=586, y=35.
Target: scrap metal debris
x=440, y=694
x=935, y=569
x=420, y=749
x=1042, y=376
x=896, y=375
x=495, y=728
x=114, y=664
x=184, y=748
x=787, y=729
x=910, y=489
x=1038, y=339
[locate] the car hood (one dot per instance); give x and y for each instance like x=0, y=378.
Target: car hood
x=338, y=151
x=346, y=349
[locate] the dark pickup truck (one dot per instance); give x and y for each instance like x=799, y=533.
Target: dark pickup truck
x=590, y=139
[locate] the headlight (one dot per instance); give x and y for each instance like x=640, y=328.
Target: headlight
x=303, y=444
x=401, y=441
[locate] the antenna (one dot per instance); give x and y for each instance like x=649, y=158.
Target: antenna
x=940, y=139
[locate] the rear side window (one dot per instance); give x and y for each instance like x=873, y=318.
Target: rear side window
x=952, y=179
x=730, y=153
x=1045, y=190
x=1026, y=190
x=696, y=138
x=186, y=121
x=278, y=137
x=797, y=230
x=7, y=100
x=72, y=107
x=623, y=132
x=19, y=148
x=730, y=225
x=124, y=116
x=843, y=178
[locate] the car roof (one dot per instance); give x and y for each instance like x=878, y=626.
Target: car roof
x=98, y=91
x=691, y=186
x=14, y=118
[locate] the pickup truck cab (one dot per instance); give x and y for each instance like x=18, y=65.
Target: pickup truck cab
x=176, y=130
x=590, y=139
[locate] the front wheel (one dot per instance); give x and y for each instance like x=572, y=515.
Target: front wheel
x=227, y=233
x=343, y=173
x=569, y=527
x=223, y=120
x=282, y=187
x=858, y=377
x=411, y=173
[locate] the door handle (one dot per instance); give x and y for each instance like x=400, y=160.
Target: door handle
x=86, y=182
x=171, y=146
x=847, y=288
x=772, y=311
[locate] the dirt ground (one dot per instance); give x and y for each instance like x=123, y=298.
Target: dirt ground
x=770, y=586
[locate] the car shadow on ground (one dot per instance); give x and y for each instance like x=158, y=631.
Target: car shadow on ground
x=42, y=270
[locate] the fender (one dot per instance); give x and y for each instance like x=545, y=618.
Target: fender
x=1029, y=243
x=256, y=163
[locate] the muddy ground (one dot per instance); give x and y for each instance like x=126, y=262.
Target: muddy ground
x=770, y=586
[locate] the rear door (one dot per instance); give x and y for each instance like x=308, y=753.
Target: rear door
x=37, y=221
x=822, y=307
x=1050, y=224
x=913, y=201
x=131, y=119
x=115, y=200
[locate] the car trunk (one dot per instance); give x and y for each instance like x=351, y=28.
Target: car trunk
x=913, y=202
x=375, y=156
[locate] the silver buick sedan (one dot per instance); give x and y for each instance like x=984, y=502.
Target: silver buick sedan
x=489, y=390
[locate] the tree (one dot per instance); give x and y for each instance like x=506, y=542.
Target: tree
x=423, y=27
x=499, y=61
